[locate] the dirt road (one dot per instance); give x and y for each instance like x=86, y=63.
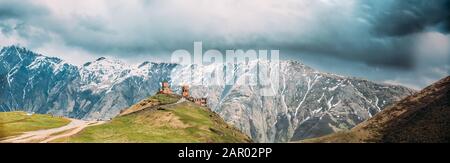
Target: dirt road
x=45, y=136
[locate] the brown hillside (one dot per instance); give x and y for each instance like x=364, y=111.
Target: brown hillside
x=421, y=118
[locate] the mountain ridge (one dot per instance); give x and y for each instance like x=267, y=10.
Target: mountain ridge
x=419, y=118
x=307, y=104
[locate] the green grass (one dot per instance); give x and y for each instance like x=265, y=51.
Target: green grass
x=181, y=123
x=15, y=123
x=165, y=99
x=203, y=120
x=158, y=99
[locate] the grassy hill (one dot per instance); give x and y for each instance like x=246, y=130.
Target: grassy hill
x=15, y=123
x=160, y=119
x=420, y=118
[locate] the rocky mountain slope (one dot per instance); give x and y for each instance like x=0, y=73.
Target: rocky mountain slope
x=307, y=103
x=420, y=118
x=96, y=90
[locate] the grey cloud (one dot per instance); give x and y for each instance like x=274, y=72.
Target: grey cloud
x=6, y=28
x=20, y=10
x=20, y=17
x=411, y=16
x=377, y=33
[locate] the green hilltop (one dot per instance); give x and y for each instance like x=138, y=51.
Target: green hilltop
x=162, y=118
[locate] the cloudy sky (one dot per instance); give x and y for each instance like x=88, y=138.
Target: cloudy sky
x=394, y=41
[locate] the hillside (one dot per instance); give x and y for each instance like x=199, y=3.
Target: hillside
x=16, y=123
x=420, y=118
x=162, y=119
x=307, y=103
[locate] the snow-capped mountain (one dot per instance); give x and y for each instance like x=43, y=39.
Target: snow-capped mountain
x=306, y=104
x=96, y=90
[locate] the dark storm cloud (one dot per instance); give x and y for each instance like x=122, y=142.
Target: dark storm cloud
x=20, y=17
x=411, y=16
x=397, y=53
x=20, y=10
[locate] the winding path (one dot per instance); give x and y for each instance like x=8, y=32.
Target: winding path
x=45, y=136
x=48, y=135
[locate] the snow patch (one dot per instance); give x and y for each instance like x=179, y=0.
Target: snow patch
x=333, y=88
x=321, y=97
x=309, y=85
x=317, y=111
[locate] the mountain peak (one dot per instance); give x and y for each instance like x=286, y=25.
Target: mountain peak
x=18, y=47
x=14, y=55
x=17, y=51
x=105, y=62
x=101, y=58
x=143, y=64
